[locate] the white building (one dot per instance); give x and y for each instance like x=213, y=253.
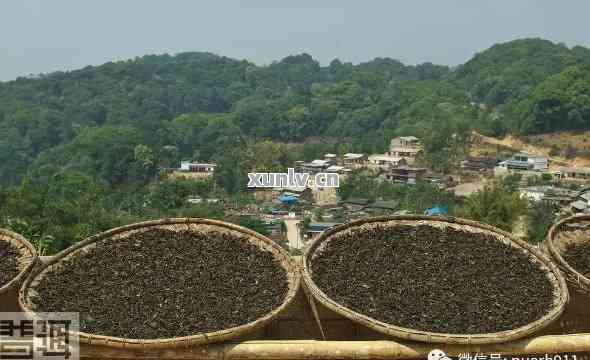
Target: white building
x=524, y=161
x=194, y=170
x=190, y=166
x=386, y=160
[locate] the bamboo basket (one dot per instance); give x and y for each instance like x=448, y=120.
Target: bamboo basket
x=561, y=295
x=26, y=262
x=565, y=232
x=181, y=224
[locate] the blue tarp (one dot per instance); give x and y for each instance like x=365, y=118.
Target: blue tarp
x=437, y=211
x=288, y=199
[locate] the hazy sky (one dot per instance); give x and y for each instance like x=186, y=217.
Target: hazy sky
x=47, y=35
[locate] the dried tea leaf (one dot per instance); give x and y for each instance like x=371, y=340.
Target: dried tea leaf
x=9, y=255
x=432, y=279
x=162, y=283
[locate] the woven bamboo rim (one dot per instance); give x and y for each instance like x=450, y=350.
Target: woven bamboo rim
x=293, y=277
x=26, y=261
x=554, y=246
x=561, y=295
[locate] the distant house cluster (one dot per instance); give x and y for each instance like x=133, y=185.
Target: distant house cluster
x=401, y=164
x=331, y=163
x=569, y=201
x=303, y=211
x=532, y=165
x=397, y=165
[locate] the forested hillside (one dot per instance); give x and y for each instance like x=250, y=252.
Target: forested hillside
x=106, y=130
x=510, y=71
x=529, y=86
x=516, y=80
x=199, y=101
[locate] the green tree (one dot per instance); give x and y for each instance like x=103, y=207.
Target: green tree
x=540, y=216
x=231, y=173
x=145, y=157
x=67, y=208
x=497, y=204
x=252, y=223
x=174, y=193
x=268, y=156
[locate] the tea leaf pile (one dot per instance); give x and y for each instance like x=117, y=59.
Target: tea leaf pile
x=578, y=257
x=162, y=283
x=430, y=279
x=9, y=255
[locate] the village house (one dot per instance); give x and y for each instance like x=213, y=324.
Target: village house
x=194, y=167
x=526, y=162
x=354, y=161
x=382, y=207
x=407, y=147
x=315, y=166
x=354, y=205
x=194, y=170
x=384, y=161
x=405, y=174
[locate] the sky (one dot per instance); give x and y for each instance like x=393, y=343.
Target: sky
x=40, y=36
